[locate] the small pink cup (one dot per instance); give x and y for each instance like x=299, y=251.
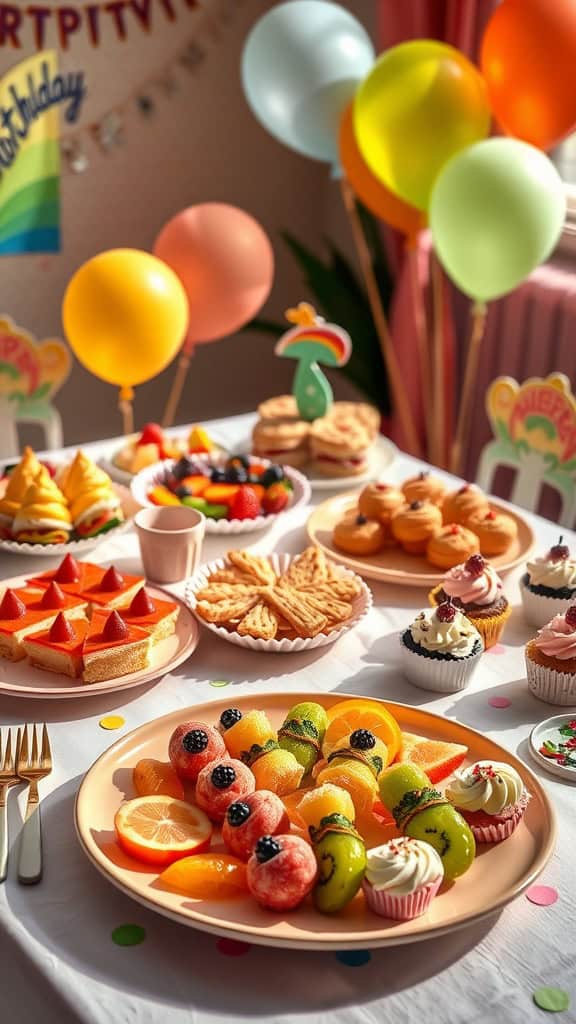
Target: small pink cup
x=170, y=541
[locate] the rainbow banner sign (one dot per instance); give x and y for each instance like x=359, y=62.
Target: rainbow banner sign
x=30, y=151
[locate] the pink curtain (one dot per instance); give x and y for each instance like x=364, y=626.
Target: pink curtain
x=460, y=23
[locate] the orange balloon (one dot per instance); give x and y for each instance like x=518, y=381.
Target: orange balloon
x=375, y=196
x=528, y=59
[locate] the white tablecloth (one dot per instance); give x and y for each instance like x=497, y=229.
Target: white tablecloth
x=58, y=963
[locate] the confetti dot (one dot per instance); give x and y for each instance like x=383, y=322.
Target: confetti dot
x=112, y=722
x=542, y=895
x=499, y=702
x=497, y=649
x=219, y=682
x=552, y=999
x=230, y=947
x=354, y=957
x=128, y=935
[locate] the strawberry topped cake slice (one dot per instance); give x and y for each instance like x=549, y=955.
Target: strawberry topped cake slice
x=58, y=649
x=112, y=589
x=113, y=648
x=71, y=576
x=158, y=617
x=24, y=611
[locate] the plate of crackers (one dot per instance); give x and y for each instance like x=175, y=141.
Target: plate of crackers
x=278, y=603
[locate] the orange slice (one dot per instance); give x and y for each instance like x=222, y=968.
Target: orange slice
x=436, y=758
x=151, y=777
x=359, y=713
x=207, y=876
x=159, y=830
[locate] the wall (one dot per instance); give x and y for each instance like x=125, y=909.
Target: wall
x=202, y=144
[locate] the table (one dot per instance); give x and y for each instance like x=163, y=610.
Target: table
x=58, y=963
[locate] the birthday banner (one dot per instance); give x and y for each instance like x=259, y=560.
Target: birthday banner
x=31, y=25
x=30, y=95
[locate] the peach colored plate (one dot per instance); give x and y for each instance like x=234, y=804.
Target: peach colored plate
x=499, y=873
x=20, y=679
x=393, y=565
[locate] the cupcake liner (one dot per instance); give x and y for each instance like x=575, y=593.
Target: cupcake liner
x=539, y=609
x=400, y=908
x=503, y=825
x=442, y=675
x=550, y=685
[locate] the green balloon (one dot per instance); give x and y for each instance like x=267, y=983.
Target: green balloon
x=496, y=213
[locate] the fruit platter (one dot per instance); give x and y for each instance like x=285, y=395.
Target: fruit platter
x=314, y=821
x=236, y=493
x=154, y=444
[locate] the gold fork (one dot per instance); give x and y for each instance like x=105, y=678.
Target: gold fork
x=31, y=769
x=8, y=778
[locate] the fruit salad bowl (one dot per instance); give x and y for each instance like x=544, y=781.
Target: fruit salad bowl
x=237, y=494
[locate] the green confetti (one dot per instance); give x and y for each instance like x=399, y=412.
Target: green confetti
x=219, y=682
x=552, y=999
x=128, y=935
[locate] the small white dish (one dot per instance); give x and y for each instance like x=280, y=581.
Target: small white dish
x=153, y=475
x=549, y=731
x=280, y=562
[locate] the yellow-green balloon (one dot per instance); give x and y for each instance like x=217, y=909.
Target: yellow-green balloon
x=421, y=104
x=497, y=211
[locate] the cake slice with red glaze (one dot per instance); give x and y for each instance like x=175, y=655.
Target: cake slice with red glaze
x=113, y=648
x=58, y=649
x=158, y=617
x=112, y=589
x=26, y=610
x=71, y=576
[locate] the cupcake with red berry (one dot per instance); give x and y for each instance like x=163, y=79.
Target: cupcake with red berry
x=402, y=878
x=476, y=589
x=551, y=660
x=441, y=649
x=491, y=797
x=548, y=585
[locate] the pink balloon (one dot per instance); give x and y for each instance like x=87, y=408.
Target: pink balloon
x=224, y=260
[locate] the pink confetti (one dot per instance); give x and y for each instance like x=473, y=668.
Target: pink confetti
x=497, y=649
x=542, y=895
x=499, y=702
x=229, y=947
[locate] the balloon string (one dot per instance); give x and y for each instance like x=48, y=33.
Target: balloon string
x=177, y=385
x=423, y=352
x=399, y=395
x=479, y=311
x=127, y=409
x=438, y=453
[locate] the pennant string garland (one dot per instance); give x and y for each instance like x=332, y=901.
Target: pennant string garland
x=109, y=131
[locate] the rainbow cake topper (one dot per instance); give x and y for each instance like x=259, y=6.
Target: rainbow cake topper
x=313, y=341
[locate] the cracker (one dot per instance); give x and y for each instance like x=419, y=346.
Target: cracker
x=334, y=610
x=257, y=567
x=309, y=567
x=226, y=611
x=343, y=588
x=261, y=622
x=287, y=602
x=230, y=575
x=226, y=591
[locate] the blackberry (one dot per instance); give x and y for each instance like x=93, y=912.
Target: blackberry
x=217, y=476
x=223, y=776
x=266, y=848
x=184, y=467
x=229, y=717
x=362, y=739
x=195, y=741
x=238, y=813
x=272, y=475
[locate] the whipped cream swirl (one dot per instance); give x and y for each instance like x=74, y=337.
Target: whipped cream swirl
x=557, y=639
x=544, y=572
x=482, y=589
x=403, y=865
x=457, y=637
x=488, y=786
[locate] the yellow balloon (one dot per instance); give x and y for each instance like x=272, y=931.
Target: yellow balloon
x=125, y=315
x=421, y=104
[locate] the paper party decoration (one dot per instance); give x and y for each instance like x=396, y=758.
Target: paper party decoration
x=31, y=372
x=534, y=425
x=313, y=341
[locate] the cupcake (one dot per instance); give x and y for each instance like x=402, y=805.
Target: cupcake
x=380, y=501
x=491, y=797
x=451, y=546
x=441, y=649
x=476, y=589
x=402, y=878
x=424, y=487
x=495, y=530
x=467, y=501
x=549, y=585
x=413, y=525
x=551, y=660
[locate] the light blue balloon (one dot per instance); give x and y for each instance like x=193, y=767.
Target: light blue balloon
x=301, y=66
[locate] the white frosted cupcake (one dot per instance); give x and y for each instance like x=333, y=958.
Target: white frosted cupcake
x=491, y=797
x=548, y=585
x=402, y=877
x=441, y=649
